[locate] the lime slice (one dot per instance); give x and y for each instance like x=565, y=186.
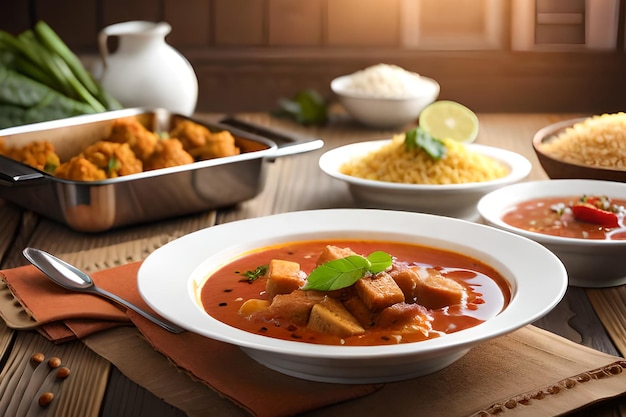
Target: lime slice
x=446, y=119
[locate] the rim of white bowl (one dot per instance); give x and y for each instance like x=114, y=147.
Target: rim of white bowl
x=337, y=86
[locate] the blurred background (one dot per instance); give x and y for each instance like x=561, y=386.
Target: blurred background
x=491, y=55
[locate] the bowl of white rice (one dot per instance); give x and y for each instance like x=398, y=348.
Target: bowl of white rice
x=385, y=96
x=584, y=148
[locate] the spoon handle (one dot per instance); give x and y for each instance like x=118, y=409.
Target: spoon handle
x=161, y=322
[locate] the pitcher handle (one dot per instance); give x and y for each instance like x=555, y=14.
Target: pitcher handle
x=102, y=45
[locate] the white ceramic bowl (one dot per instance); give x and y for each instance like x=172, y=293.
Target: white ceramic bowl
x=171, y=277
x=453, y=200
x=385, y=112
x=590, y=263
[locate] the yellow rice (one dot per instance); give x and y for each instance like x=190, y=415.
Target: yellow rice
x=394, y=163
x=596, y=141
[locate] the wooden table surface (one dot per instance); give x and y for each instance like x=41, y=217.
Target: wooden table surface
x=293, y=183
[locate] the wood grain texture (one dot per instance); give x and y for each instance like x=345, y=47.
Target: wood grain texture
x=22, y=381
x=610, y=304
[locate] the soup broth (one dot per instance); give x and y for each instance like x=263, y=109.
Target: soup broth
x=227, y=288
x=548, y=216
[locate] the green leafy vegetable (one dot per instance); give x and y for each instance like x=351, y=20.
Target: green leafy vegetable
x=343, y=272
x=307, y=107
x=24, y=100
x=37, y=64
x=418, y=138
x=256, y=274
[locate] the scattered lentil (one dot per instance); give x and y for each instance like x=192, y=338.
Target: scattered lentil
x=38, y=357
x=63, y=372
x=54, y=362
x=46, y=398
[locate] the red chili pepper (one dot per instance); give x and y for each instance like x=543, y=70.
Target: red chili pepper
x=591, y=214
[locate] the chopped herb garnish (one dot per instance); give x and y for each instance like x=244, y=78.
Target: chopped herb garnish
x=343, y=272
x=113, y=165
x=418, y=138
x=254, y=275
x=50, y=167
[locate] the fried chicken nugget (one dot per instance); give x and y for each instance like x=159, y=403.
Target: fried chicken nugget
x=40, y=155
x=218, y=145
x=201, y=143
x=168, y=153
x=192, y=135
x=129, y=130
x=80, y=169
x=115, y=159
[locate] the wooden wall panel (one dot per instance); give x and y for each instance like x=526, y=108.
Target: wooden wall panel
x=79, y=32
x=352, y=23
x=296, y=22
x=116, y=11
x=241, y=22
x=191, y=24
x=484, y=81
x=15, y=16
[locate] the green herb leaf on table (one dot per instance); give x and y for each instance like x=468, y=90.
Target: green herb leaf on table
x=307, y=107
x=343, y=272
x=418, y=138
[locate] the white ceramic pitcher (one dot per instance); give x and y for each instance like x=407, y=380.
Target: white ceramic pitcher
x=145, y=71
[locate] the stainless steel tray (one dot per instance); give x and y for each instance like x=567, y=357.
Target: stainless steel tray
x=97, y=206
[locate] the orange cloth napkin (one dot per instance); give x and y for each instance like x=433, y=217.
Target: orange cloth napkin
x=63, y=315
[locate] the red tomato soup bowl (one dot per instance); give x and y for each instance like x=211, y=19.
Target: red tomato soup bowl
x=590, y=262
x=172, y=278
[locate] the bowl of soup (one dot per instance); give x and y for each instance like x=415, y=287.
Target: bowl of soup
x=223, y=282
x=580, y=220
x=384, y=174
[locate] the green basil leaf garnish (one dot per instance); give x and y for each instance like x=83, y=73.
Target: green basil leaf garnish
x=343, y=272
x=419, y=138
x=379, y=261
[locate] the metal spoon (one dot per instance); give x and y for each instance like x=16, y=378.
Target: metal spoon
x=72, y=278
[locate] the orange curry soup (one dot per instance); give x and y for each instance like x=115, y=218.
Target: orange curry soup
x=226, y=289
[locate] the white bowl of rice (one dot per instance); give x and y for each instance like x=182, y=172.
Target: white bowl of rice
x=385, y=96
x=585, y=148
x=383, y=174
